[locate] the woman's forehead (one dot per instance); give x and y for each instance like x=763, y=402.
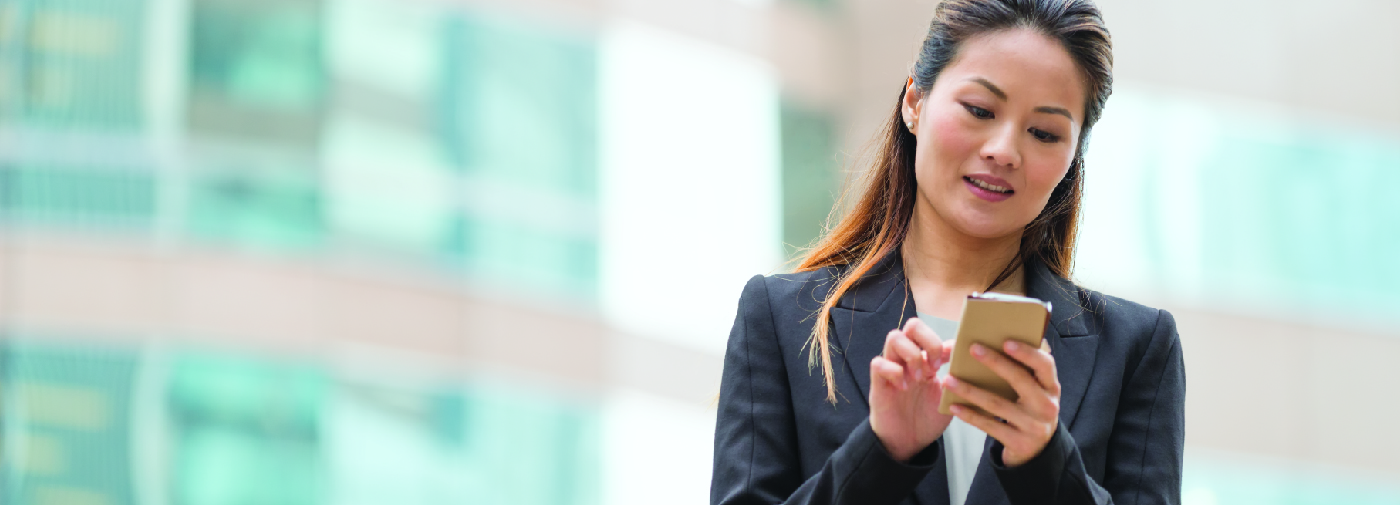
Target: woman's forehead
x=1023, y=64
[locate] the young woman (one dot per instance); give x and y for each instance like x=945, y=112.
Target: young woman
x=830, y=390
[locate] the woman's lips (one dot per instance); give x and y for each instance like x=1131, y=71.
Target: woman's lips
x=988, y=187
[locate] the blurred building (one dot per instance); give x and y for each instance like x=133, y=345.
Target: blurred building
x=414, y=251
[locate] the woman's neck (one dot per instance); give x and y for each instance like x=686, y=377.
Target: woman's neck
x=944, y=265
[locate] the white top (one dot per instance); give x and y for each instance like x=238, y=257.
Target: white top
x=962, y=443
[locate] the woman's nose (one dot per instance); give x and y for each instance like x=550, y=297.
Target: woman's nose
x=1001, y=148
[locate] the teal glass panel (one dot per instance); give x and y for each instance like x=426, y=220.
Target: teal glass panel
x=823, y=4
x=302, y=435
x=256, y=69
x=80, y=64
x=503, y=251
x=460, y=445
x=394, y=445
x=1244, y=208
x=239, y=421
x=66, y=417
x=276, y=208
x=386, y=50
x=810, y=179
x=520, y=103
x=518, y=118
x=527, y=450
x=1304, y=221
x=89, y=197
x=387, y=188
x=1219, y=480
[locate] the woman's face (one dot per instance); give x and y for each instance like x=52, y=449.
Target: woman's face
x=996, y=132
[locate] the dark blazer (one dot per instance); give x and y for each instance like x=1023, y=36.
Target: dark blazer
x=778, y=440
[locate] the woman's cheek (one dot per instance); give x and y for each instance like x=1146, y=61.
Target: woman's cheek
x=1043, y=177
x=952, y=139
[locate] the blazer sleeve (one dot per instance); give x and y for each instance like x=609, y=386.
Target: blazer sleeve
x=1145, y=449
x=756, y=459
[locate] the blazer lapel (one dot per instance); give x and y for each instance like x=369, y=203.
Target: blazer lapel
x=880, y=302
x=1072, y=343
x=1074, y=361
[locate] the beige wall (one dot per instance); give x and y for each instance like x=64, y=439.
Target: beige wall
x=1339, y=58
x=1290, y=391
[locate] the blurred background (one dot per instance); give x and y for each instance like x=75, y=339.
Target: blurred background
x=305, y=252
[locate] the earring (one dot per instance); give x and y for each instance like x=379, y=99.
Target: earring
x=909, y=125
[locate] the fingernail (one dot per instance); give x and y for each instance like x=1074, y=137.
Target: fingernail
x=953, y=382
x=957, y=409
x=978, y=350
x=1012, y=345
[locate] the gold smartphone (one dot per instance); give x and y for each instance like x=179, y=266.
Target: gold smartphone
x=991, y=319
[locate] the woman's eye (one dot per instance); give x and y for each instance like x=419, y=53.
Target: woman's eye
x=978, y=112
x=1044, y=136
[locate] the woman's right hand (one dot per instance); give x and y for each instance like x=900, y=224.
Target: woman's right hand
x=905, y=390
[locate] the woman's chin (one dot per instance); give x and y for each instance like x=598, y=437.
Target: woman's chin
x=977, y=221
x=989, y=227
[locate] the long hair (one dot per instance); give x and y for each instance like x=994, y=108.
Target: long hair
x=878, y=222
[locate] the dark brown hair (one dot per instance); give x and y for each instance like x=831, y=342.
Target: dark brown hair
x=878, y=222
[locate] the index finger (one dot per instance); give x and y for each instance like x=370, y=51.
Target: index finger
x=901, y=350
x=922, y=334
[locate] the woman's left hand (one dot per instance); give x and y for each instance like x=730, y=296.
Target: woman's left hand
x=1031, y=420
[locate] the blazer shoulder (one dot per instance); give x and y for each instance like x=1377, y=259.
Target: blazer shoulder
x=1122, y=317
x=800, y=291
x=787, y=303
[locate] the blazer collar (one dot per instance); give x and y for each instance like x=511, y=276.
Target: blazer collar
x=885, y=283
x=884, y=280
x=1066, y=310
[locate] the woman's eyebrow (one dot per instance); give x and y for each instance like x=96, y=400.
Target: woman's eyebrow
x=990, y=87
x=1055, y=110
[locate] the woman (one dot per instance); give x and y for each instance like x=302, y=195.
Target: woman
x=830, y=390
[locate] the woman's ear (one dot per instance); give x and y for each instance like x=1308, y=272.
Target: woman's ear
x=913, y=98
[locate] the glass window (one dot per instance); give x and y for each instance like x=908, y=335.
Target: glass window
x=66, y=414
x=256, y=70
x=518, y=120
x=1243, y=206
x=92, y=197
x=810, y=175
x=278, y=207
x=238, y=421
x=81, y=65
